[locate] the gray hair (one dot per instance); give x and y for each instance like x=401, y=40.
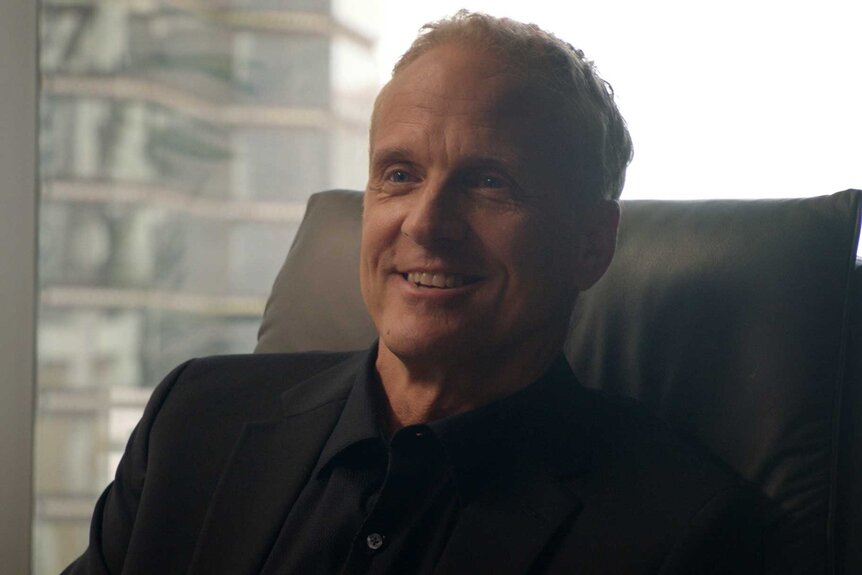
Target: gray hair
x=598, y=143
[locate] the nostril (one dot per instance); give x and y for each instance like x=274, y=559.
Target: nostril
x=427, y=232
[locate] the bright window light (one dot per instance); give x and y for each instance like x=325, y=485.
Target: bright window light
x=724, y=100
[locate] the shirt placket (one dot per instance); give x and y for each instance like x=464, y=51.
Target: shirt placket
x=412, y=456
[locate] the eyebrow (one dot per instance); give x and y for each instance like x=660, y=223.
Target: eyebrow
x=390, y=155
x=503, y=163
x=397, y=154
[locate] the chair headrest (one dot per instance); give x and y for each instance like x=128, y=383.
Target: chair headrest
x=729, y=318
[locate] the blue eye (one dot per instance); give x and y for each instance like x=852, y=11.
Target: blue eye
x=491, y=182
x=399, y=177
x=486, y=182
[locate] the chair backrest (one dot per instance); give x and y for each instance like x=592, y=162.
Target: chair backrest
x=737, y=321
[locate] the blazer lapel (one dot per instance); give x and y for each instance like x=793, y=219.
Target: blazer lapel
x=504, y=530
x=270, y=465
x=531, y=496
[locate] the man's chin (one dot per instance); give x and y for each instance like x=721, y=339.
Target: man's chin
x=425, y=348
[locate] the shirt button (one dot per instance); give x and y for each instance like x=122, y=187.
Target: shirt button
x=374, y=541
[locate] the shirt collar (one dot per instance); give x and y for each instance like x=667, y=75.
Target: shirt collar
x=519, y=430
x=522, y=429
x=359, y=418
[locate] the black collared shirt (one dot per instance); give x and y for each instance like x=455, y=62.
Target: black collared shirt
x=378, y=506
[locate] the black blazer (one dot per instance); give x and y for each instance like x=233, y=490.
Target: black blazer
x=227, y=443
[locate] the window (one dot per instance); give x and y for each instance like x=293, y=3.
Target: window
x=180, y=139
x=179, y=144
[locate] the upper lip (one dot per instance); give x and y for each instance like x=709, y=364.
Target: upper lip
x=449, y=271
x=438, y=278
x=433, y=270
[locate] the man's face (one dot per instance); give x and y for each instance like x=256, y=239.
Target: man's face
x=472, y=245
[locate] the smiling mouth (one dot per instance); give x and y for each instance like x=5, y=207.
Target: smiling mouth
x=438, y=280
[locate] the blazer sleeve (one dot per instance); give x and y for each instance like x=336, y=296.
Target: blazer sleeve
x=737, y=532
x=114, y=516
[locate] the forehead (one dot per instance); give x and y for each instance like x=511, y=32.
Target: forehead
x=458, y=107
x=458, y=86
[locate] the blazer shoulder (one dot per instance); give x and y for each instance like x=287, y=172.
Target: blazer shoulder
x=286, y=368
x=630, y=435
x=184, y=442
x=251, y=386
x=654, y=500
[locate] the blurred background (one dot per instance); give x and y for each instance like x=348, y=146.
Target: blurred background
x=180, y=139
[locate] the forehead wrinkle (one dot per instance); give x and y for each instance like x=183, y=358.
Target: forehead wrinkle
x=501, y=91
x=485, y=146
x=494, y=92
x=428, y=105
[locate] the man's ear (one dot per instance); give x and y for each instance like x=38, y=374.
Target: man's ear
x=598, y=242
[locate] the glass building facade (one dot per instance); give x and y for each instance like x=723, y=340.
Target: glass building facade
x=179, y=142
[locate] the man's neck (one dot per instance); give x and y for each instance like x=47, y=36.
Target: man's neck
x=419, y=392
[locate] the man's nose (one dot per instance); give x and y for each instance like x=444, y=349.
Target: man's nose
x=435, y=216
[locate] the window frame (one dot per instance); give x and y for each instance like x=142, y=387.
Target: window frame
x=18, y=245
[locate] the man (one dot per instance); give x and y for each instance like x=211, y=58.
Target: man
x=460, y=443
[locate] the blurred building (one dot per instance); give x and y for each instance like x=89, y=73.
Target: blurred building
x=180, y=140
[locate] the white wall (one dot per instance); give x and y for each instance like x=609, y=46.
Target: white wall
x=18, y=80
x=731, y=99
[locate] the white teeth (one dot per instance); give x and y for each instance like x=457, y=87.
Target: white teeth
x=436, y=280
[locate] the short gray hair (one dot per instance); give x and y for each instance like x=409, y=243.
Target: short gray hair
x=600, y=145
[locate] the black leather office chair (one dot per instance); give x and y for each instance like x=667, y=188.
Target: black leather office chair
x=739, y=322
